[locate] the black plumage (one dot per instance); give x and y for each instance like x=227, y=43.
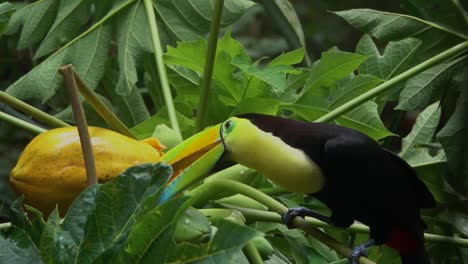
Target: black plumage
x=363, y=182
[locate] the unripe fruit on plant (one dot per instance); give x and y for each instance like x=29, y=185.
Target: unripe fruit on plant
x=51, y=169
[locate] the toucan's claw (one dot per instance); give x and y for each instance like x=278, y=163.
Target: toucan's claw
x=360, y=251
x=289, y=216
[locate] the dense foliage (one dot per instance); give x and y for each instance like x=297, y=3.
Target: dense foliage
x=110, y=45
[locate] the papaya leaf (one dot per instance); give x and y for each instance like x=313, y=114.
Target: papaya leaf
x=282, y=14
x=36, y=20
x=396, y=57
x=421, y=133
x=453, y=139
x=257, y=105
x=88, y=55
x=445, y=13
x=119, y=204
x=420, y=89
x=333, y=66
x=19, y=250
x=71, y=17
x=391, y=26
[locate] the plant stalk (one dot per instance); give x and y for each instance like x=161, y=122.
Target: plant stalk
x=203, y=193
x=98, y=105
x=158, y=56
x=31, y=111
x=21, y=123
x=456, y=50
x=85, y=139
x=252, y=253
x=5, y=226
x=209, y=65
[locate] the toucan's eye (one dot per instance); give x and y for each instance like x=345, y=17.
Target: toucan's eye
x=227, y=125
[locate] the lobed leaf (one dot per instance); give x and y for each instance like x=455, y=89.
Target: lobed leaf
x=6, y=10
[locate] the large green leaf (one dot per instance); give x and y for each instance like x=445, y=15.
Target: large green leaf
x=420, y=89
x=333, y=66
x=390, y=26
x=71, y=17
x=445, y=13
x=118, y=205
x=454, y=140
x=363, y=118
x=36, y=20
x=21, y=250
x=192, y=55
x=396, y=57
x=89, y=56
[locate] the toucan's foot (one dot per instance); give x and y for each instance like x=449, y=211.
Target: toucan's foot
x=360, y=251
x=289, y=216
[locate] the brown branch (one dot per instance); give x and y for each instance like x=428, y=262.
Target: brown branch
x=80, y=118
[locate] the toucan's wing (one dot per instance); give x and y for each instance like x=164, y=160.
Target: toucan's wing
x=425, y=198
x=356, y=152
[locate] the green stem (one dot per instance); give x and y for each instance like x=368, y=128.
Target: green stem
x=31, y=111
x=209, y=65
x=393, y=81
x=21, y=123
x=98, y=105
x=274, y=191
x=158, y=56
x=252, y=215
x=252, y=253
x=203, y=193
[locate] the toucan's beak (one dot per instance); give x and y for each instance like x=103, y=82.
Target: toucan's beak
x=192, y=160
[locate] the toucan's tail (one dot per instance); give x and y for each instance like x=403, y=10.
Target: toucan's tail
x=419, y=257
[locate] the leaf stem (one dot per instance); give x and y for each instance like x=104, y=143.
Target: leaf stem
x=158, y=56
x=85, y=139
x=203, y=193
x=21, y=123
x=98, y=105
x=252, y=253
x=267, y=216
x=456, y=50
x=31, y=111
x=209, y=65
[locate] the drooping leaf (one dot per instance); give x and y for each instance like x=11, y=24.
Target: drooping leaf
x=413, y=149
x=36, y=20
x=333, y=66
x=130, y=109
x=71, y=17
x=282, y=14
x=6, y=9
x=88, y=55
x=420, y=89
x=453, y=138
x=390, y=26
x=133, y=42
x=445, y=13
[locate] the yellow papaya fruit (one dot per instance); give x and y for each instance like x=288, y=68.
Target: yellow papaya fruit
x=51, y=170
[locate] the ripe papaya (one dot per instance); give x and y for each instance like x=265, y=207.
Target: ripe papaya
x=51, y=170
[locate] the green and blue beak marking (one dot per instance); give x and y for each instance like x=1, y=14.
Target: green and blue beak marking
x=192, y=160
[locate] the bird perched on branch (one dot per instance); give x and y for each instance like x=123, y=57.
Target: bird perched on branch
x=345, y=169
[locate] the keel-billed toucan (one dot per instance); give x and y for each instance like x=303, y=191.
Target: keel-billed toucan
x=345, y=169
